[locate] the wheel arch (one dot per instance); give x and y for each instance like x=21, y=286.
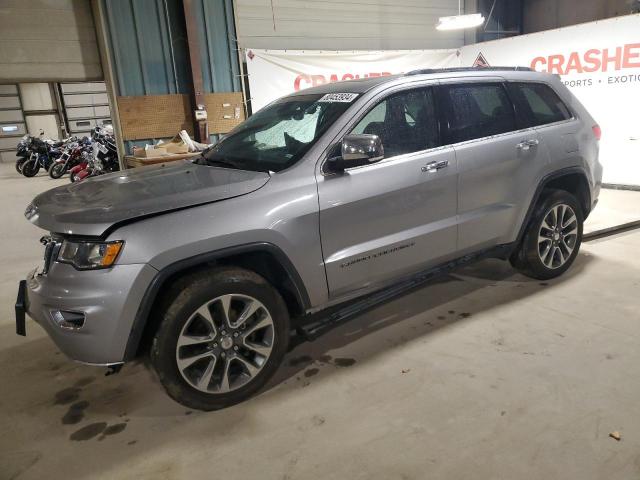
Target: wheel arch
x=576, y=183
x=263, y=258
x=573, y=180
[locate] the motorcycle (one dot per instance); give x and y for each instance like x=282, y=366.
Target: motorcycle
x=80, y=171
x=71, y=156
x=23, y=152
x=42, y=155
x=103, y=157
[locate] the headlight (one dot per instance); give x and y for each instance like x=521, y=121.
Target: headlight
x=89, y=255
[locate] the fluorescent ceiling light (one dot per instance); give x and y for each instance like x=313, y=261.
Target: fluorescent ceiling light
x=458, y=22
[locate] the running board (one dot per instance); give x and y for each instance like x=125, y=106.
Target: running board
x=317, y=324
x=610, y=231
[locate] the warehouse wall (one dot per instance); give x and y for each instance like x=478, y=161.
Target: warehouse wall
x=345, y=25
x=46, y=40
x=503, y=19
x=548, y=14
x=218, y=45
x=149, y=48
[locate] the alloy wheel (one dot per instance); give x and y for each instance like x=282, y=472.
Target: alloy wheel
x=225, y=343
x=558, y=236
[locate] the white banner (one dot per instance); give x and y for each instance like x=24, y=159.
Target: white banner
x=600, y=63
x=274, y=73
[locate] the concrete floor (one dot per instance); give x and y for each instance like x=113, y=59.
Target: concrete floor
x=483, y=374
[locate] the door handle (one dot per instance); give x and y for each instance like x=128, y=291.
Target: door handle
x=435, y=165
x=527, y=144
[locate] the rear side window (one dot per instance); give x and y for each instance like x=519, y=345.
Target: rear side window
x=541, y=105
x=477, y=110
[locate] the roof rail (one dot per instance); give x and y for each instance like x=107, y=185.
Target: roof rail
x=424, y=71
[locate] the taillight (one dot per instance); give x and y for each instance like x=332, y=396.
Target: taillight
x=596, y=131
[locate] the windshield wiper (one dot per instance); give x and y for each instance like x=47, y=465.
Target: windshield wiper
x=218, y=162
x=228, y=163
x=222, y=163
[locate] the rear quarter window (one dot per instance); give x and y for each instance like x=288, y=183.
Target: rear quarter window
x=540, y=104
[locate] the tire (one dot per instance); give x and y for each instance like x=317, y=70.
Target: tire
x=57, y=170
x=551, y=257
x=193, y=312
x=30, y=168
x=20, y=163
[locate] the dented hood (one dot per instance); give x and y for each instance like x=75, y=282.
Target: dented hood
x=93, y=206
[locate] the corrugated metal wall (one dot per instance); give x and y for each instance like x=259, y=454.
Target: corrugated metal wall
x=218, y=44
x=149, y=47
x=345, y=25
x=48, y=40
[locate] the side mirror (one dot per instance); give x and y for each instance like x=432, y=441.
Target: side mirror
x=356, y=150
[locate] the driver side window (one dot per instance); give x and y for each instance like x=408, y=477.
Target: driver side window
x=405, y=122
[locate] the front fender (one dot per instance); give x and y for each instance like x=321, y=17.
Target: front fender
x=155, y=286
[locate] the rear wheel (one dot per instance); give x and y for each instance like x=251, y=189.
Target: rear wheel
x=222, y=335
x=553, y=237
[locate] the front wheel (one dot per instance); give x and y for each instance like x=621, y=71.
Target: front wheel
x=57, y=170
x=20, y=163
x=553, y=237
x=222, y=335
x=30, y=168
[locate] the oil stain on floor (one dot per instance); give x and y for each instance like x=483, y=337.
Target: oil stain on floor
x=75, y=414
x=98, y=428
x=344, y=362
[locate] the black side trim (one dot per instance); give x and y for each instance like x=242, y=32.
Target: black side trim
x=317, y=324
x=140, y=321
x=536, y=196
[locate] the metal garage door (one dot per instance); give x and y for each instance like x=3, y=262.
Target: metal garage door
x=12, y=125
x=86, y=105
x=52, y=40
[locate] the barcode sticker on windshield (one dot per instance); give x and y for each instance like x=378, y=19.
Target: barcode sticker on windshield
x=338, y=97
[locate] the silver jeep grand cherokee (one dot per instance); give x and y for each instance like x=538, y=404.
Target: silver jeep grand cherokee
x=322, y=204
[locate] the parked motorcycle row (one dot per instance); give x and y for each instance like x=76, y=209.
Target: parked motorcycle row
x=80, y=157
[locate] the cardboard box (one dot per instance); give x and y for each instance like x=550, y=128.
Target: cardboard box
x=150, y=151
x=177, y=144
x=176, y=147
